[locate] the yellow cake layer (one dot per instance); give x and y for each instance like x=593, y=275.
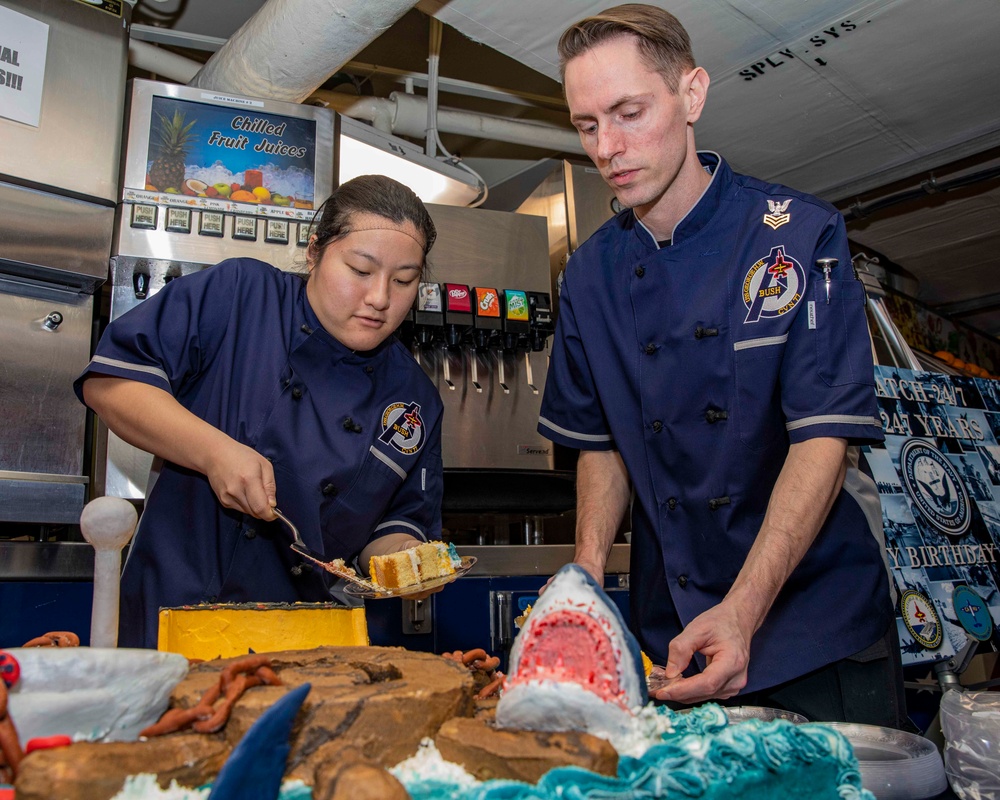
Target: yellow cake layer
x=413, y=565
x=224, y=631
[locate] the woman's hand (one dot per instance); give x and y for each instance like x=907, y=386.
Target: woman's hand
x=153, y=420
x=243, y=480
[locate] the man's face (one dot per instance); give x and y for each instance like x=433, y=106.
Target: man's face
x=633, y=127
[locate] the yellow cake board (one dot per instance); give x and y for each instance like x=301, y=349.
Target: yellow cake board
x=224, y=631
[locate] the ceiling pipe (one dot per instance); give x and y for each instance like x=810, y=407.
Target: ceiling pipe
x=406, y=115
x=159, y=61
x=290, y=47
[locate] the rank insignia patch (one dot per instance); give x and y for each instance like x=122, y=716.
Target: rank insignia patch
x=773, y=285
x=403, y=427
x=779, y=214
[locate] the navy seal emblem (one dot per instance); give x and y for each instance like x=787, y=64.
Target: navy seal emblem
x=935, y=487
x=403, y=427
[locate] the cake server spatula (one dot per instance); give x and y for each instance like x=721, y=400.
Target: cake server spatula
x=336, y=567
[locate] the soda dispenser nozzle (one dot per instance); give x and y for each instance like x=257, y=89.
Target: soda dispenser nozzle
x=457, y=320
x=457, y=312
x=428, y=316
x=542, y=326
x=486, y=324
x=516, y=327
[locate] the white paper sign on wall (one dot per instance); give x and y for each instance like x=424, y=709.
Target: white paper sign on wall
x=23, y=43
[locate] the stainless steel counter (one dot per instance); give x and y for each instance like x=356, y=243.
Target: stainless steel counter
x=543, y=559
x=46, y=561
x=74, y=561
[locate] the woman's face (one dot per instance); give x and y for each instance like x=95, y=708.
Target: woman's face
x=364, y=284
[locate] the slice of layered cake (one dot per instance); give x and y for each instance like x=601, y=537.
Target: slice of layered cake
x=414, y=565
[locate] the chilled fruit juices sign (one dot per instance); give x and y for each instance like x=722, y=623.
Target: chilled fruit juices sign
x=236, y=154
x=938, y=477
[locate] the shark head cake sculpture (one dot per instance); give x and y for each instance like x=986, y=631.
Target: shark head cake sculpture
x=574, y=665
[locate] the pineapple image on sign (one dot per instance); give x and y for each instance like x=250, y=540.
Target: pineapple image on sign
x=172, y=144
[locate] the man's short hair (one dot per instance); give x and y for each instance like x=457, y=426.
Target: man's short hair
x=663, y=43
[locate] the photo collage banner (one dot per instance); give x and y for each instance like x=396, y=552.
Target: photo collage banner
x=938, y=476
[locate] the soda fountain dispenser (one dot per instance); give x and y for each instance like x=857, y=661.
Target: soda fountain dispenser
x=485, y=328
x=457, y=322
x=515, y=330
x=428, y=318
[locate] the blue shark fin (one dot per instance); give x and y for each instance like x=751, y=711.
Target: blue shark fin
x=256, y=767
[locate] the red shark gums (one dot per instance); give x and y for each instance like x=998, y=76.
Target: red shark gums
x=571, y=646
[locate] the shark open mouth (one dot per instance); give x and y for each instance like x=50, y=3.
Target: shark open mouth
x=572, y=646
x=574, y=665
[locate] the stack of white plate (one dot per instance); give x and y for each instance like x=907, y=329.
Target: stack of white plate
x=895, y=765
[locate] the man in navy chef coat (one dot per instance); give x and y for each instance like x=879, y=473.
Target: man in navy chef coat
x=712, y=364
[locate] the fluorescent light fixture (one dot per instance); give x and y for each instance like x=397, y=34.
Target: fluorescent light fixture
x=365, y=150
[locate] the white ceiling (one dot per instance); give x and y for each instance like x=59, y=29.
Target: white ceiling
x=847, y=99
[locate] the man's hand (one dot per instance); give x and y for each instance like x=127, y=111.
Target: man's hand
x=808, y=484
x=718, y=635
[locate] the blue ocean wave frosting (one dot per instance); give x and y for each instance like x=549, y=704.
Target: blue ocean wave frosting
x=703, y=757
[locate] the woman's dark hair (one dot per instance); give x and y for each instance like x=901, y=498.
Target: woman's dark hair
x=369, y=194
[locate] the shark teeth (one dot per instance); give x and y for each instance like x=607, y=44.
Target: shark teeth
x=574, y=665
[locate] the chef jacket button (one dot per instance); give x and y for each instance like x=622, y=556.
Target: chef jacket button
x=296, y=570
x=297, y=392
x=657, y=426
x=250, y=533
x=682, y=581
x=640, y=271
x=369, y=369
x=650, y=349
x=701, y=332
x=718, y=502
x=286, y=382
x=306, y=330
x=329, y=490
x=713, y=415
x=672, y=503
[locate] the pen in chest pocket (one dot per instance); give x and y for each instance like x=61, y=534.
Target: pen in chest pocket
x=827, y=265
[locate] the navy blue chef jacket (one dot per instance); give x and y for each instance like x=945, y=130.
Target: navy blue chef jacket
x=354, y=440
x=700, y=362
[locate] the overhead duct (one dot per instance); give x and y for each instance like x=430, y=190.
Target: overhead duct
x=290, y=47
x=406, y=115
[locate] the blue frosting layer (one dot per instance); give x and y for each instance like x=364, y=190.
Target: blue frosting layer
x=703, y=758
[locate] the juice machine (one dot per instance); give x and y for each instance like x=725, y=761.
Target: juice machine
x=207, y=176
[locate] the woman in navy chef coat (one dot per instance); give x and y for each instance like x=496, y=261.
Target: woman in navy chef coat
x=257, y=388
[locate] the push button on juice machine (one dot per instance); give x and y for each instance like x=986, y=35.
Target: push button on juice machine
x=245, y=228
x=302, y=237
x=143, y=216
x=276, y=231
x=211, y=223
x=178, y=220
